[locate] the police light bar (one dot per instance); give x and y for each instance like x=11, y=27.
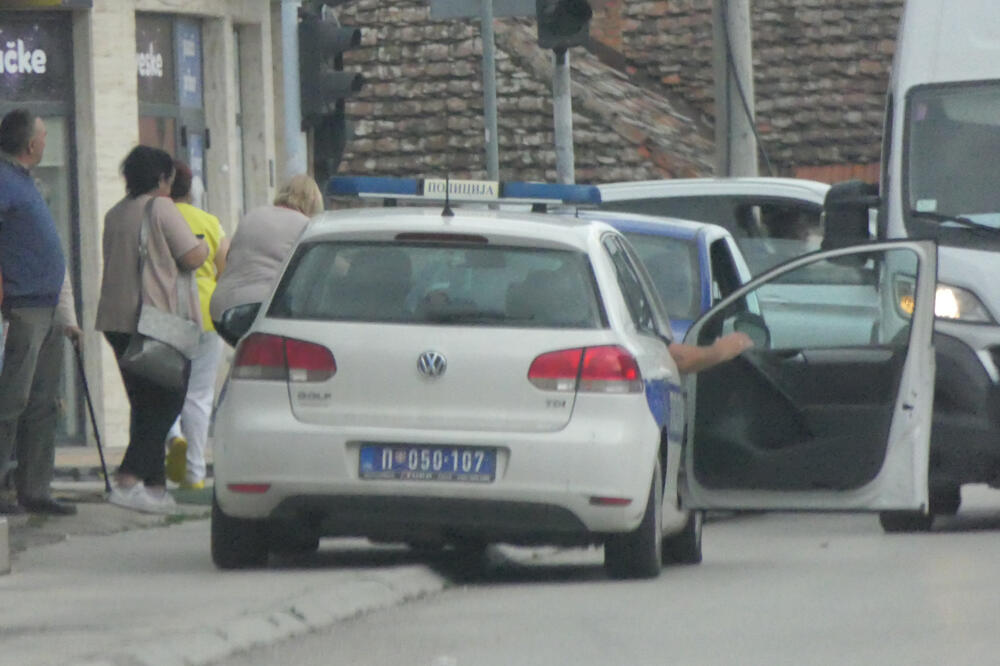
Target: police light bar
x=462, y=191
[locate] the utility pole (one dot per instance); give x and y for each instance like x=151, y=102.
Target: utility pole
x=735, y=140
x=562, y=116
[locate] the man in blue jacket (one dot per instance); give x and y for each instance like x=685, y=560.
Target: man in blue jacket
x=32, y=268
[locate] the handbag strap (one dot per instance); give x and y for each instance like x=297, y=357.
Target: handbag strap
x=183, y=295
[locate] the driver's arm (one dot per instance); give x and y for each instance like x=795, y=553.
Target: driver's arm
x=694, y=358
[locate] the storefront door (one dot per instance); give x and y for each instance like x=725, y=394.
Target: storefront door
x=36, y=73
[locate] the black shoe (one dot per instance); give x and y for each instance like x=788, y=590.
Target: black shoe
x=11, y=509
x=49, y=507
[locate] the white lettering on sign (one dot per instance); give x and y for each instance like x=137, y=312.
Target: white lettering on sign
x=188, y=48
x=16, y=59
x=190, y=83
x=150, y=63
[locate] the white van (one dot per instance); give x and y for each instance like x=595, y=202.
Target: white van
x=939, y=181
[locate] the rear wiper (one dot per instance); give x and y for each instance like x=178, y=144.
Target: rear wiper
x=958, y=219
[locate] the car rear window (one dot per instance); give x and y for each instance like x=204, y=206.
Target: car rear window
x=439, y=284
x=673, y=264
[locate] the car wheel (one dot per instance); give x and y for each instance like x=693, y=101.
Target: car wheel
x=685, y=548
x=905, y=521
x=639, y=553
x=945, y=500
x=237, y=543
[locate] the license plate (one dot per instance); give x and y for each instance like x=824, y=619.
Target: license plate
x=407, y=462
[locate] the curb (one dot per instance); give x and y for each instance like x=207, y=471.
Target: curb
x=313, y=612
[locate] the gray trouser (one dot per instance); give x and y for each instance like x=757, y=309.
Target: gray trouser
x=29, y=387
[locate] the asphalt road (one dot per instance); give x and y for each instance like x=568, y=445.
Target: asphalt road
x=773, y=589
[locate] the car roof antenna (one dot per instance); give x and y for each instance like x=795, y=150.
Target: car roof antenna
x=447, y=212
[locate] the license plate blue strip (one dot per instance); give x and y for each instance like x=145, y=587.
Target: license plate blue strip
x=407, y=462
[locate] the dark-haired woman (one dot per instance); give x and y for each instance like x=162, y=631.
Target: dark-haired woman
x=173, y=250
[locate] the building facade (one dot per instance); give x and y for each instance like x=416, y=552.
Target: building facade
x=191, y=76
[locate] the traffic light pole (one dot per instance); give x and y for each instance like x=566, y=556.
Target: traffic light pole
x=490, y=92
x=295, y=139
x=562, y=112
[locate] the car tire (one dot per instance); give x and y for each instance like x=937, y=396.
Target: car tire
x=685, y=547
x=905, y=521
x=237, y=543
x=639, y=553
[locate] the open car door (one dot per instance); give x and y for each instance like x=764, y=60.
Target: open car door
x=834, y=415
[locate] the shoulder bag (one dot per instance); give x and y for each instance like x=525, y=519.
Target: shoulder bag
x=164, y=343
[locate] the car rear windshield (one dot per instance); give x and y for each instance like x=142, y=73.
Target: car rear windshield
x=673, y=264
x=439, y=284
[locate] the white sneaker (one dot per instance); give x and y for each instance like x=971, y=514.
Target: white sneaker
x=133, y=497
x=161, y=501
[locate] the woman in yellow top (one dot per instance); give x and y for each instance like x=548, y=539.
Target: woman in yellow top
x=188, y=437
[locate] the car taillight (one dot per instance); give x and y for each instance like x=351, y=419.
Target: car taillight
x=263, y=356
x=607, y=369
x=556, y=371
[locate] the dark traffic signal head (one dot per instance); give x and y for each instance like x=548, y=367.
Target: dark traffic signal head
x=322, y=81
x=563, y=23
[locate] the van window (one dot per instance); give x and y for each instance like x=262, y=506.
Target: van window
x=952, y=143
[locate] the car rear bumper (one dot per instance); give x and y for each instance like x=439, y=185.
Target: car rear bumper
x=544, y=488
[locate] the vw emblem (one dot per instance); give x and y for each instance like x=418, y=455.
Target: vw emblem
x=432, y=364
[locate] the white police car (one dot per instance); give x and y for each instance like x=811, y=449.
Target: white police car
x=429, y=375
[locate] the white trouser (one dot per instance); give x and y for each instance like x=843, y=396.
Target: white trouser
x=197, y=412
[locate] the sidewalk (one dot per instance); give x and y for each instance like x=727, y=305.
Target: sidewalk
x=112, y=586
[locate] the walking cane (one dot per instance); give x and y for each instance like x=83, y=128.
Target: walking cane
x=93, y=419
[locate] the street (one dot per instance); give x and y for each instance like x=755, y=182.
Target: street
x=122, y=588
x=773, y=589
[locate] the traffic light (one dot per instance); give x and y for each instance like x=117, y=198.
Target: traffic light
x=563, y=23
x=324, y=85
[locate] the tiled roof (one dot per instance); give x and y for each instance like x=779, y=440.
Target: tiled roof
x=820, y=76
x=820, y=69
x=420, y=113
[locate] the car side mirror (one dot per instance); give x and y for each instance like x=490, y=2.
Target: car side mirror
x=845, y=213
x=236, y=322
x=755, y=327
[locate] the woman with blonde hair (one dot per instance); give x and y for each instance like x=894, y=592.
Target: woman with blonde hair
x=260, y=246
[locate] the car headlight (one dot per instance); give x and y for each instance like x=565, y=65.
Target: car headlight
x=950, y=302
x=960, y=305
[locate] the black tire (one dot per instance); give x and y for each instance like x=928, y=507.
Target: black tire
x=945, y=500
x=639, y=553
x=237, y=543
x=685, y=547
x=905, y=521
